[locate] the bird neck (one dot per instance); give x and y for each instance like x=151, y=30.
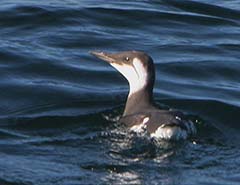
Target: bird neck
x=139, y=100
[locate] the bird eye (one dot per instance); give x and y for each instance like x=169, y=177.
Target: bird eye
x=127, y=58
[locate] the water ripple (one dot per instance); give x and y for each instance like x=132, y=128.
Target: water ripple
x=59, y=105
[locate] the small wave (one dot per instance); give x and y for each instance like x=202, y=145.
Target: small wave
x=159, y=16
x=5, y=133
x=206, y=9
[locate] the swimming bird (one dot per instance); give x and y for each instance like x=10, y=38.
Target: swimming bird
x=141, y=114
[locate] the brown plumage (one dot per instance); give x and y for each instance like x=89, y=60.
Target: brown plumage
x=140, y=113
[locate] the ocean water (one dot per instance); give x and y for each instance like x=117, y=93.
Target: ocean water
x=59, y=105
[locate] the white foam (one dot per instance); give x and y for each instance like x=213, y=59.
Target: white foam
x=140, y=127
x=169, y=133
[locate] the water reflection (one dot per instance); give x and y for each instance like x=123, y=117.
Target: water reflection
x=133, y=155
x=128, y=177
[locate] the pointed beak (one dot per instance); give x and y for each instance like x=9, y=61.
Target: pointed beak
x=103, y=56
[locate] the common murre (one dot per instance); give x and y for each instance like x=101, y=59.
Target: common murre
x=140, y=114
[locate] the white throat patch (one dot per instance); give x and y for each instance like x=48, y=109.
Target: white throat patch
x=136, y=75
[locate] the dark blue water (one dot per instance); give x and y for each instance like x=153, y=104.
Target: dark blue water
x=59, y=105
